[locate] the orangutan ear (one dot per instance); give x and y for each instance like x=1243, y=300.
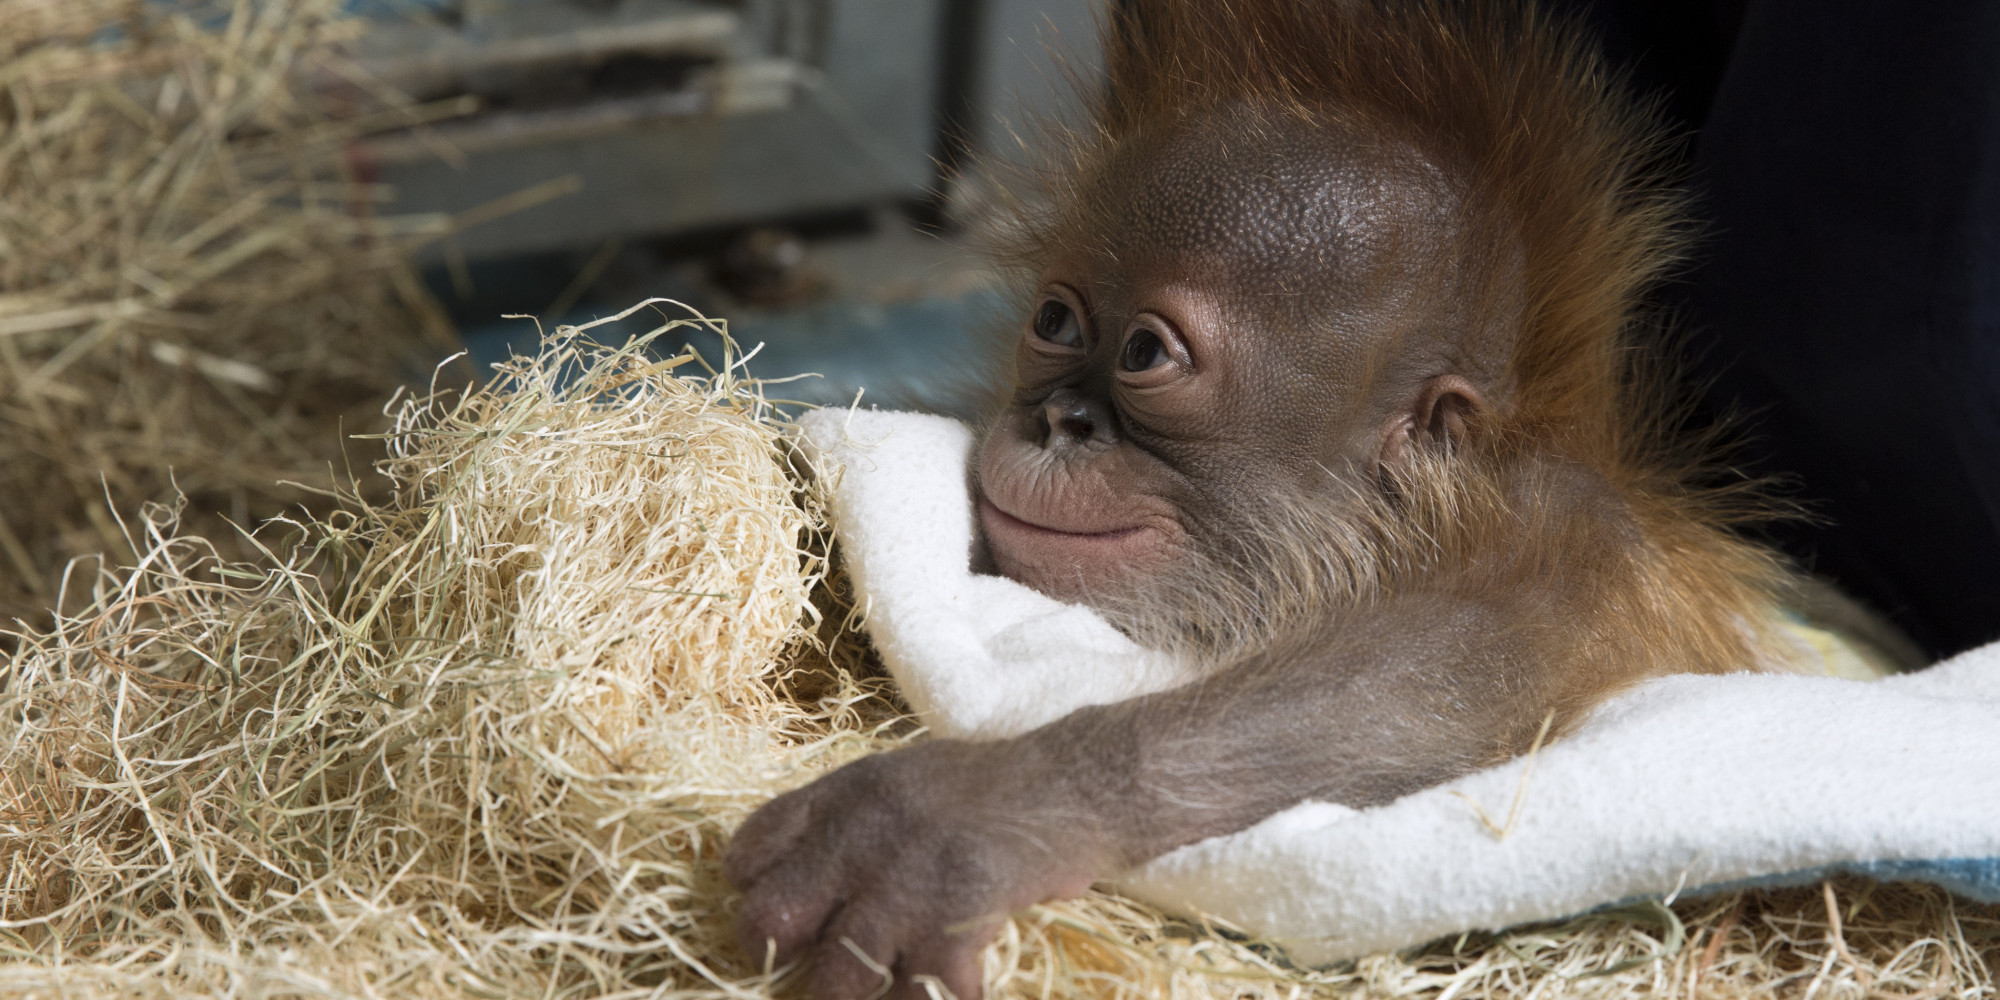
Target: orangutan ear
x=1443, y=416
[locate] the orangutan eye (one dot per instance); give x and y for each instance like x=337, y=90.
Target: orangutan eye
x=1056, y=323
x=1143, y=352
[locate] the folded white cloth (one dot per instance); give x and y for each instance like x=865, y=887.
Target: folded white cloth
x=1683, y=783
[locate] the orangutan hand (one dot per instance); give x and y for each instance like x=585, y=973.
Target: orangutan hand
x=897, y=869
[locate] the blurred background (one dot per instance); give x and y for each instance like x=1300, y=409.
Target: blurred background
x=804, y=168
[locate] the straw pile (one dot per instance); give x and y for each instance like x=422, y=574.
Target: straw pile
x=486, y=738
x=482, y=738
x=194, y=294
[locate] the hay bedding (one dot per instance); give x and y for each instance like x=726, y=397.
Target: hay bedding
x=480, y=739
x=195, y=293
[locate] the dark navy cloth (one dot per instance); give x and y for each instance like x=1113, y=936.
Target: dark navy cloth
x=1847, y=295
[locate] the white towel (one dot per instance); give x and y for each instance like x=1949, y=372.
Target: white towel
x=1681, y=784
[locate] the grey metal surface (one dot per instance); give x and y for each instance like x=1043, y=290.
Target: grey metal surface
x=791, y=109
x=514, y=43
x=807, y=106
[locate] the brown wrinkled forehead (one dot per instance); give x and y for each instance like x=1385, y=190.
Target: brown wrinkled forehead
x=1330, y=239
x=1283, y=202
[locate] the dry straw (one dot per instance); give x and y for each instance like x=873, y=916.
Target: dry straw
x=481, y=739
x=195, y=291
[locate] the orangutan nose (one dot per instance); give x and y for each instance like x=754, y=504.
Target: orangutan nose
x=1070, y=418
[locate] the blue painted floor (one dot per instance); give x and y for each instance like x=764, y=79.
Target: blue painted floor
x=907, y=320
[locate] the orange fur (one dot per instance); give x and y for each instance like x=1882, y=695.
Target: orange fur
x=1541, y=137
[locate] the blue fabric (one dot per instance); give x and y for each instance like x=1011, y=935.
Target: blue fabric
x=397, y=9
x=1973, y=878
x=1977, y=879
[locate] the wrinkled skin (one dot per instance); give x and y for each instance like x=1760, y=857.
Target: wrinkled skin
x=1274, y=315
x=1260, y=322
x=828, y=873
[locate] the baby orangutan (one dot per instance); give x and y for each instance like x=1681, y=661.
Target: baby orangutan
x=1326, y=381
